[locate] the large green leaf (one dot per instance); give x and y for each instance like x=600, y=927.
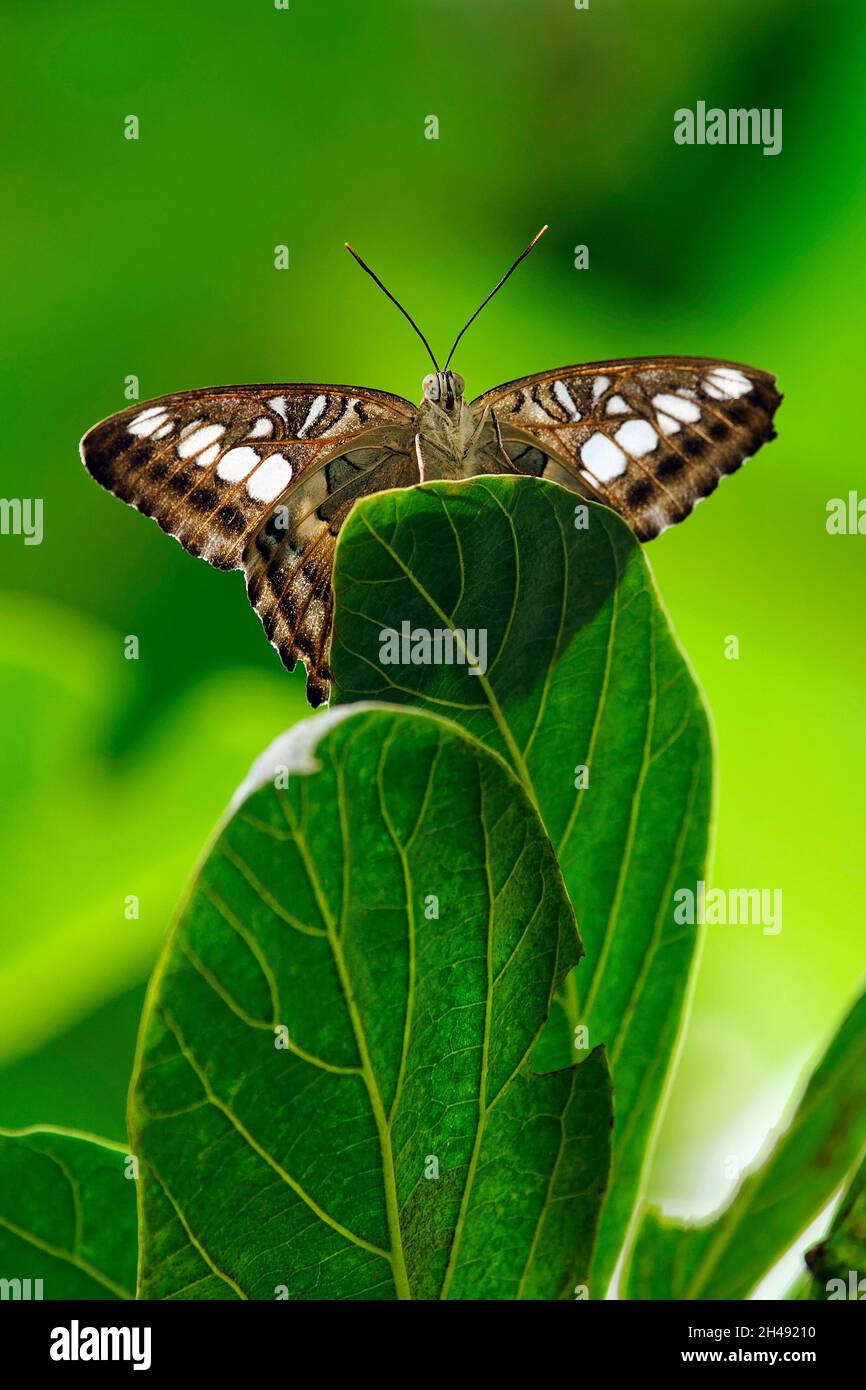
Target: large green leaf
x=67, y=1216
x=582, y=670
x=334, y=1097
x=726, y=1257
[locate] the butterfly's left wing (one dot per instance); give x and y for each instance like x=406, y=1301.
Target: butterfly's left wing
x=648, y=436
x=261, y=478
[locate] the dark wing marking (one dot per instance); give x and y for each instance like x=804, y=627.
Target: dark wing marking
x=648, y=436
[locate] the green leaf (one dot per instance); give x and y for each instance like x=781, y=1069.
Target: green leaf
x=726, y=1257
x=582, y=670
x=67, y=1215
x=334, y=1098
x=841, y=1255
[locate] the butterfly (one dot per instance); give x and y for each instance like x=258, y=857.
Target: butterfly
x=262, y=478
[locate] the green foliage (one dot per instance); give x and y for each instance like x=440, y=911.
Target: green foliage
x=67, y=1215
x=334, y=1095
x=361, y=1068
x=726, y=1257
x=183, y=309
x=842, y=1254
x=582, y=671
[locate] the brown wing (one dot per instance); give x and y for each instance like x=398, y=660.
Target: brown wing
x=289, y=562
x=648, y=436
x=259, y=478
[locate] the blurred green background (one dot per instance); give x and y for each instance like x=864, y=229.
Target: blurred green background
x=155, y=257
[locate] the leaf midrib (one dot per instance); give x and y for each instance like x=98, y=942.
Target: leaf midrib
x=495, y=708
x=465, y=1199
x=396, y=1254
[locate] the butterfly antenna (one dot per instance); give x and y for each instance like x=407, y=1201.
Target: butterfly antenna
x=385, y=290
x=522, y=256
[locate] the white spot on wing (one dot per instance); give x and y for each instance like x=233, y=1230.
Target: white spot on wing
x=599, y=386
x=669, y=425
x=206, y=458
x=149, y=421
x=603, y=459
x=262, y=428
x=637, y=436
x=278, y=404
x=729, y=383
x=237, y=463
x=678, y=407
x=617, y=406
x=199, y=439
x=563, y=396
x=315, y=412
x=531, y=410
x=269, y=479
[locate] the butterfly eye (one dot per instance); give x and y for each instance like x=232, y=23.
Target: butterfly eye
x=458, y=385
x=431, y=386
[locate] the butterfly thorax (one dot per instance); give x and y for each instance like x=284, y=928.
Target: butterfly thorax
x=447, y=427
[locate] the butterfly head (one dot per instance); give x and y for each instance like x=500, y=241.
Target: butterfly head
x=444, y=389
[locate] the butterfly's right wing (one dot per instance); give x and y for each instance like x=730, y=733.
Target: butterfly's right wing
x=648, y=436
x=261, y=478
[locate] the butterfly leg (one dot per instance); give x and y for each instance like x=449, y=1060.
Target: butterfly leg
x=420, y=457
x=479, y=430
x=500, y=446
